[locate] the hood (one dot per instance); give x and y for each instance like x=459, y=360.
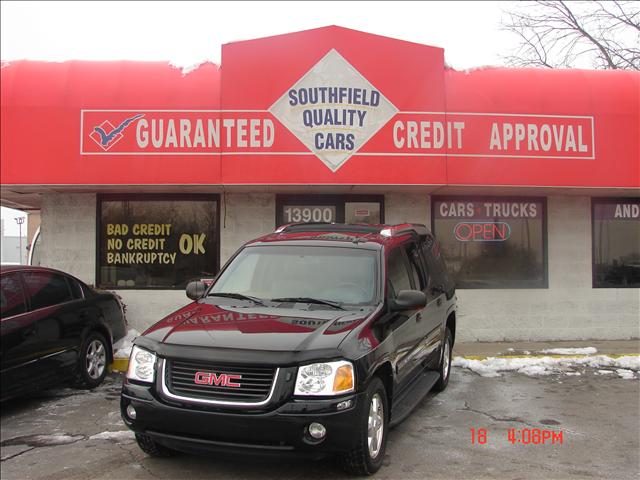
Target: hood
x=205, y=324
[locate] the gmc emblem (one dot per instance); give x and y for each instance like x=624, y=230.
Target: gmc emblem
x=219, y=379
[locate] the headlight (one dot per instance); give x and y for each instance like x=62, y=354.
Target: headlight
x=330, y=378
x=141, y=365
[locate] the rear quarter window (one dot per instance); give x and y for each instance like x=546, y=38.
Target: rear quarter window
x=46, y=288
x=76, y=289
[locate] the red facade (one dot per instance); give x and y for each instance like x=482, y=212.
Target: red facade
x=136, y=123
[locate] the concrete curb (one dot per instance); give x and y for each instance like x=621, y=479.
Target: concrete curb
x=119, y=365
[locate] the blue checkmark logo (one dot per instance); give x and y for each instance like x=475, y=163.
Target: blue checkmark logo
x=106, y=138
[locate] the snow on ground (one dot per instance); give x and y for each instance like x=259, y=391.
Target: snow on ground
x=571, y=351
x=627, y=367
x=115, y=436
x=122, y=347
x=533, y=370
x=44, y=440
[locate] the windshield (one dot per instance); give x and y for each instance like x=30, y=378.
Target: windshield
x=343, y=275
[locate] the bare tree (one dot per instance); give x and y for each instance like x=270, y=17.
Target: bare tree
x=555, y=33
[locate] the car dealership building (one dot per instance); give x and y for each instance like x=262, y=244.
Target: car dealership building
x=147, y=177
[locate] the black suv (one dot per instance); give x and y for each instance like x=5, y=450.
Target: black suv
x=314, y=339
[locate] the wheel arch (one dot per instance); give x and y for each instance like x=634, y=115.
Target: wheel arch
x=104, y=331
x=451, y=324
x=385, y=373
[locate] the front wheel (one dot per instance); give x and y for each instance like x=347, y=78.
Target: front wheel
x=445, y=362
x=152, y=448
x=366, y=458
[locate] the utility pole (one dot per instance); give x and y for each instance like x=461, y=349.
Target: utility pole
x=20, y=221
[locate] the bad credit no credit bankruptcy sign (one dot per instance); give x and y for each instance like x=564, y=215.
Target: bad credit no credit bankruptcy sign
x=331, y=113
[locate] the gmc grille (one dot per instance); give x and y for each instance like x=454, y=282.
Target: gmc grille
x=255, y=381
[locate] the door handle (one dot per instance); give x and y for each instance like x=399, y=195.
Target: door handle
x=439, y=301
x=419, y=317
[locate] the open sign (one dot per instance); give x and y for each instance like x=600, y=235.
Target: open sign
x=482, y=231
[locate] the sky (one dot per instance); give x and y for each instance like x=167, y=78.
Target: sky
x=188, y=33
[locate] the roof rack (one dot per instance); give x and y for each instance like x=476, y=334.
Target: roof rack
x=292, y=226
x=384, y=230
x=324, y=226
x=402, y=228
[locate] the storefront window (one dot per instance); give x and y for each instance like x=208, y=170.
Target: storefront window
x=616, y=242
x=309, y=213
x=493, y=242
x=157, y=241
x=329, y=209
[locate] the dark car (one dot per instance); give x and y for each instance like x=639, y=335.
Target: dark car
x=314, y=339
x=54, y=328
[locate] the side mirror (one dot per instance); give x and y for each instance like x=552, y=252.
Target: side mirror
x=195, y=290
x=408, y=300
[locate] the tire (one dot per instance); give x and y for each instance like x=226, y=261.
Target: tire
x=152, y=448
x=92, y=362
x=363, y=459
x=445, y=362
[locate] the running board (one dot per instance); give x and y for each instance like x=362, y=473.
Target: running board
x=411, y=397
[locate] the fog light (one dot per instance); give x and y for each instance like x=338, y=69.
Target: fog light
x=343, y=405
x=131, y=412
x=317, y=430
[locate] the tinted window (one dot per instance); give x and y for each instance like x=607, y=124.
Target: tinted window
x=76, y=290
x=616, y=242
x=86, y=291
x=397, y=274
x=157, y=243
x=416, y=267
x=46, y=288
x=432, y=271
x=329, y=208
x=362, y=212
x=493, y=242
x=11, y=296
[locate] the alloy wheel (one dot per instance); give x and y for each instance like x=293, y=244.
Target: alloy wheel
x=445, y=360
x=96, y=359
x=375, y=427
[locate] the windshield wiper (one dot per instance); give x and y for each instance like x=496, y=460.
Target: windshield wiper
x=308, y=300
x=238, y=296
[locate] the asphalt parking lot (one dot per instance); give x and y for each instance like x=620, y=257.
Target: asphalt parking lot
x=68, y=434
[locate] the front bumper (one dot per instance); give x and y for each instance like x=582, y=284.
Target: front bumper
x=279, y=430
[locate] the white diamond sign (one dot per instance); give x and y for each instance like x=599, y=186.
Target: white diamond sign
x=333, y=110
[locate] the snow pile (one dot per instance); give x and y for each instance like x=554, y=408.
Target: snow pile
x=626, y=374
x=571, y=351
x=627, y=367
x=122, y=348
x=630, y=362
x=115, y=436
